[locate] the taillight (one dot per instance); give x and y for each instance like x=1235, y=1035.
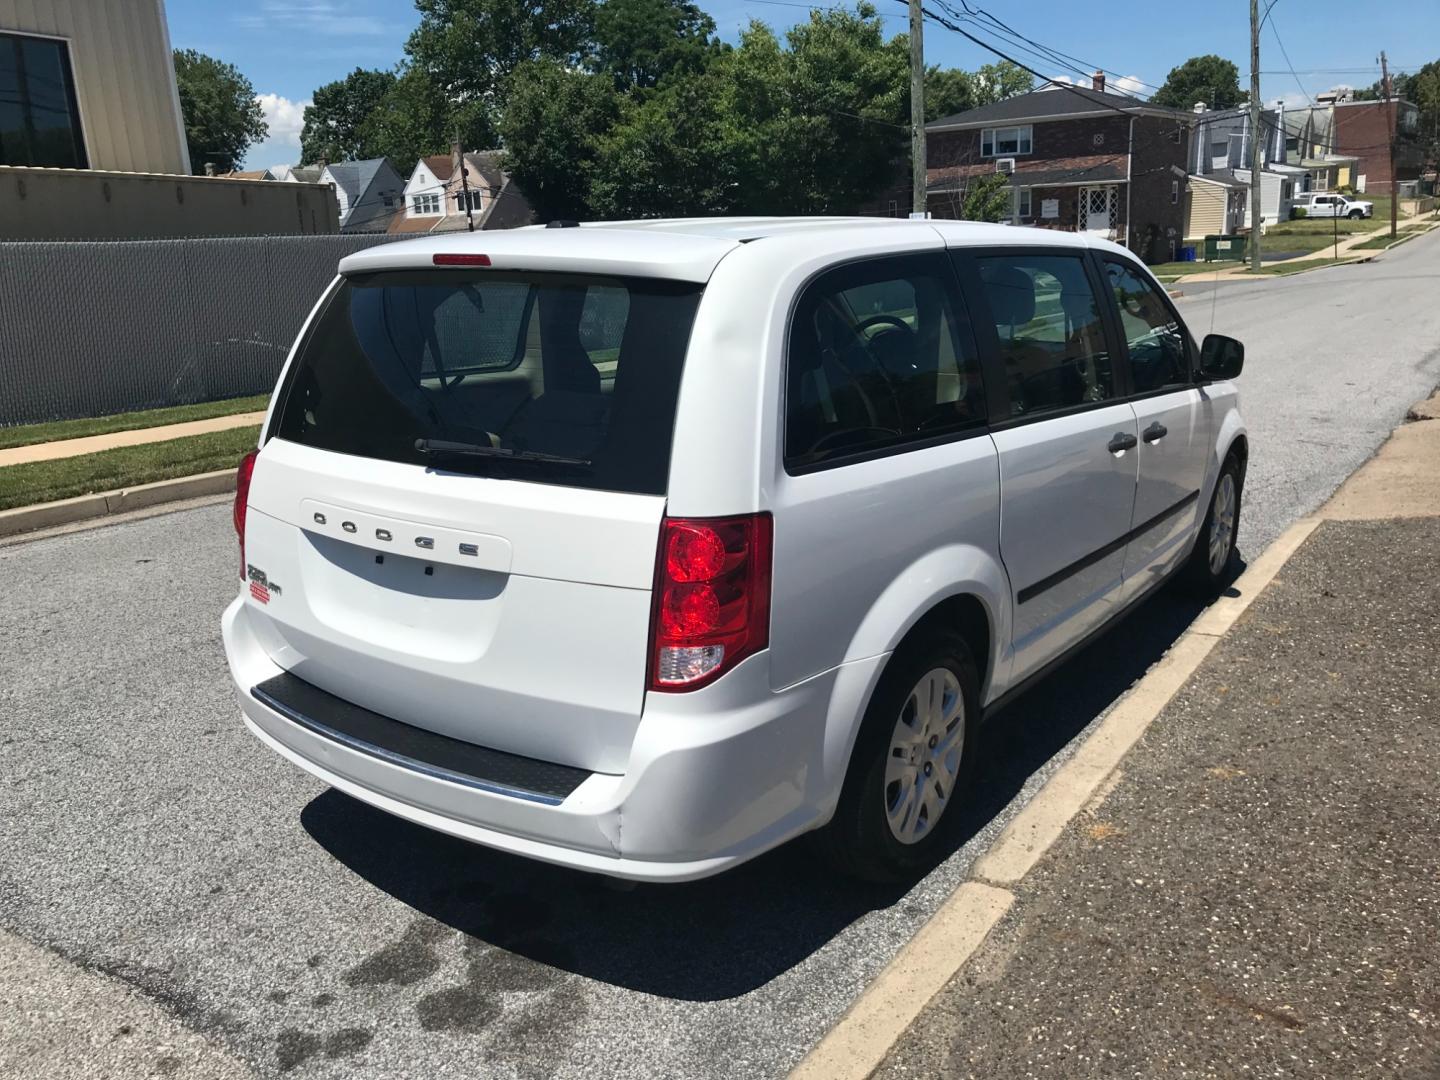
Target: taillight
x=711, y=607
x=242, y=500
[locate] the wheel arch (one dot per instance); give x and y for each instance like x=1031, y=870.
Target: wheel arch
x=959, y=587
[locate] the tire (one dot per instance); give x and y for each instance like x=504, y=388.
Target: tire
x=1209, y=567
x=865, y=839
x=1355, y=215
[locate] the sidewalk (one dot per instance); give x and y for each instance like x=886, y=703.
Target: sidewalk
x=1257, y=894
x=1347, y=246
x=89, y=444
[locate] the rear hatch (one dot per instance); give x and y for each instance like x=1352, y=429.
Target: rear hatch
x=453, y=519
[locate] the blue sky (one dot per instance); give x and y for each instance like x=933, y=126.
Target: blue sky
x=289, y=47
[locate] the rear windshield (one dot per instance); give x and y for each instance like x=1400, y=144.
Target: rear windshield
x=540, y=367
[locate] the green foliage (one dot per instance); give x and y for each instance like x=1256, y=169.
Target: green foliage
x=672, y=155
x=643, y=42
x=470, y=47
x=552, y=126
x=999, y=81
x=634, y=108
x=1298, y=212
x=819, y=122
x=222, y=117
x=947, y=91
x=1208, y=78
x=413, y=118
x=335, y=122
x=988, y=198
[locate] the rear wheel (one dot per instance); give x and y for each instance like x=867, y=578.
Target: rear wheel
x=1215, y=545
x=910, y=764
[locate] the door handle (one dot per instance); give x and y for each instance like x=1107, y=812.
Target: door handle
x=1121, y=442
x=1155, y=432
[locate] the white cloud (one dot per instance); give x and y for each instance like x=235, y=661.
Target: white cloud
x=1130, y=85
x=282, y=145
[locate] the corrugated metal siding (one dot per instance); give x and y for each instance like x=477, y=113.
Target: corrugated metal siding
x=124, y=77
x=1207, y=210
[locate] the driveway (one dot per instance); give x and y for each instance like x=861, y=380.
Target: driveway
x=145, y=836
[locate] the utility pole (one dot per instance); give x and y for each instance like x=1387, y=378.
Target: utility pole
x=464, y=182
x=917, y=110
x=1390, y=108
x=1254, y=135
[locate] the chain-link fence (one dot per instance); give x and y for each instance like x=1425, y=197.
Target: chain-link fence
x=92, y=328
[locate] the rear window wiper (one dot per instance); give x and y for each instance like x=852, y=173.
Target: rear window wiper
x=440, y=447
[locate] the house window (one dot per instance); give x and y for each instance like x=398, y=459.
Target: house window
x=1005, y=142
x=469, y=200
x=1174, y=192
x=425, y=204
x=39, y=117
x=1025, y=202
x=1292, y=144
x=1320, y=180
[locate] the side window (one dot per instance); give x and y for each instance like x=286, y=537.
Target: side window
x=878, y=356
x=602, y=324
x=1052, y=339
x=459, y=332
x=1154, y=337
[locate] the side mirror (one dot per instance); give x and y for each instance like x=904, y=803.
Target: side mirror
x=1221, y=357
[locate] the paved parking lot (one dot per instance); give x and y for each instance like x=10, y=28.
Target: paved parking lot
x=146, y=836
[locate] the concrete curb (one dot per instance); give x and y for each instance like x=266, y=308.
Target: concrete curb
x=856, y=1046
x=103, y=504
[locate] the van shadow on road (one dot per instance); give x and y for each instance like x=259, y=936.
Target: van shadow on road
x=726, y=936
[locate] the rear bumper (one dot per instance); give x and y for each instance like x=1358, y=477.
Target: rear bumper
x=713, y=778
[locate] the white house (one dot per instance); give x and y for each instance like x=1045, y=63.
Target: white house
x=438, y=198
x=369, y=193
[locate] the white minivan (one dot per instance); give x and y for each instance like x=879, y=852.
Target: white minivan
x=645, y=547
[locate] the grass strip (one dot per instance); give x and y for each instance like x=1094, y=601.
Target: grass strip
x=29, y=434
x=126, y=466
x=1297, y=266
x=1377, y=242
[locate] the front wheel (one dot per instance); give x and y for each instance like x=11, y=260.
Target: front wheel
x=910, y=765
x=1215, y=545
x=1356, y=215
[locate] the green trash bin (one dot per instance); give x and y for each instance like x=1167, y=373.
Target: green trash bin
x=1224, y=248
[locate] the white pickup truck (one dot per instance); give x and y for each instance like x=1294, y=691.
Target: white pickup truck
x=1321, y=205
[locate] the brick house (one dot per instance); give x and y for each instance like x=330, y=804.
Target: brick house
x=1081, y=159
x=1362, y=129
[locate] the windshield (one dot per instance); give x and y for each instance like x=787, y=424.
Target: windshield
x=576, y=374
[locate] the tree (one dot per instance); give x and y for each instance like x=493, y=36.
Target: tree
x=997, y=82
x=336, y=119
x=222, y=117
x=1208, y=78
x=672, y=155
x=819, y=124
x=987, y=198
x=468, y=48
x=641, y=42
x=414, y=118
x=947, y=91
x=553, y=122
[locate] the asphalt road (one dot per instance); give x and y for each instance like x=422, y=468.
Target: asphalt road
x=145, y=835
